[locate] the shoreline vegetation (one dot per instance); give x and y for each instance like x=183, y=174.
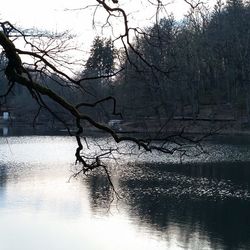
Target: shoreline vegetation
x=200, y=125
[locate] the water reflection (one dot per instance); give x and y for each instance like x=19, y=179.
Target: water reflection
x=101, y=193
x=165, y=206
x=236, y=171
x=5, y=131
x=224, y=224
x=3, y=176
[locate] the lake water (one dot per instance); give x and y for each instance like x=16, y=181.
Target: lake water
x=203, y=203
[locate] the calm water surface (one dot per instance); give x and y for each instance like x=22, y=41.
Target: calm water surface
x=203, y=203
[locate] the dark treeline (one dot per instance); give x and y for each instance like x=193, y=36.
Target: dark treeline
x=196, y=68
x=200, y=66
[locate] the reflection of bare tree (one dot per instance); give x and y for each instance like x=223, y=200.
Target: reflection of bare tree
x=101, y=193
x=3, y=183
x=3, y=176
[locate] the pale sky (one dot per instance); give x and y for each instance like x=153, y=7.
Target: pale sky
x=51, y=14
x=54, y=15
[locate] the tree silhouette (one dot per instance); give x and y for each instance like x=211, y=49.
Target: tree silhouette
x=44, y=57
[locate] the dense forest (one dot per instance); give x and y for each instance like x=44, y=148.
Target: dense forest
x=202, y=62
x=195, y=68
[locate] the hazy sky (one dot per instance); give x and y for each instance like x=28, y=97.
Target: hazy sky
x=55, y=15
x=51, y=14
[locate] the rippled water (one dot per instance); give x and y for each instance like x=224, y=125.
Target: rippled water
x=203, y=203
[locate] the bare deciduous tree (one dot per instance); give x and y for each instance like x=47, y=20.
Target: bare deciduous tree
x=44, y=56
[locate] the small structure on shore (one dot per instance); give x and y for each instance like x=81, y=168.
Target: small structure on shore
x=5, y=114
